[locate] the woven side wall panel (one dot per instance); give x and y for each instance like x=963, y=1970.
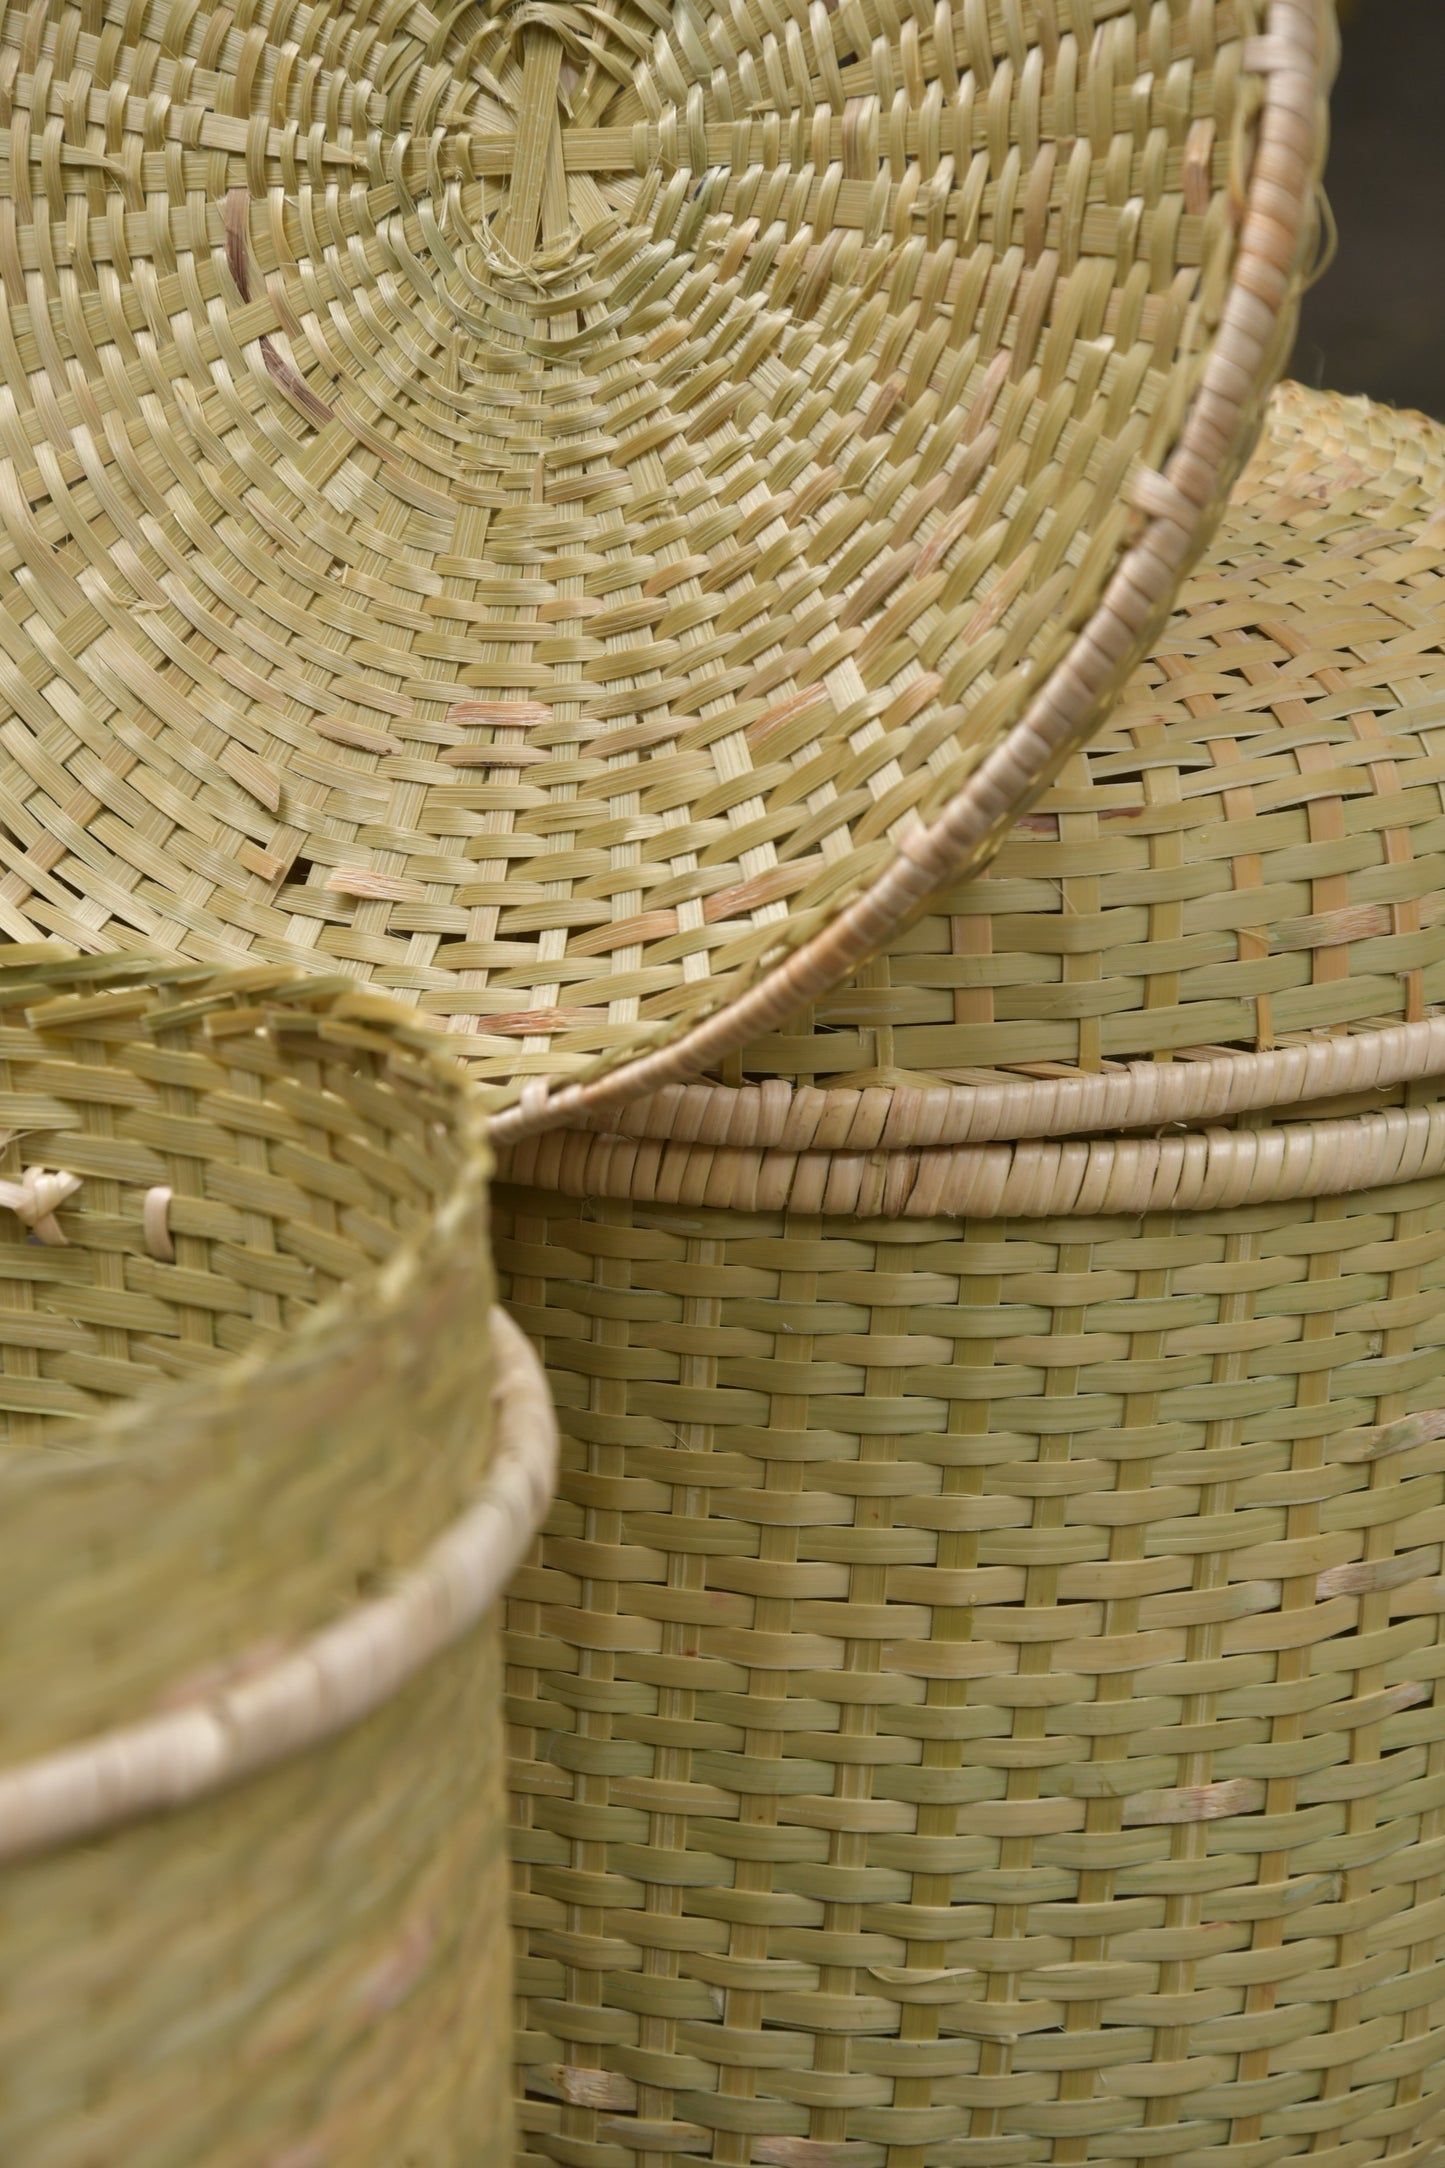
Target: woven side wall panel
x=268, y=1455
x=976, y=1700
x=310, y=1970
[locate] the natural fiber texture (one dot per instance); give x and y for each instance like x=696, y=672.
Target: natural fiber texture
x=1251, y=856
x=1185, y=1171
x=247, y=1717
x=240, y=1452
x=309, y=1969
x=584, y=515
x=251, y=1498
x=976, y=1699
x=1352, y=1071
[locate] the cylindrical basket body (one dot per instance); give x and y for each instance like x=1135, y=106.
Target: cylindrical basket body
x=978, y=1694
x=264, y=1466
x=310, y=1968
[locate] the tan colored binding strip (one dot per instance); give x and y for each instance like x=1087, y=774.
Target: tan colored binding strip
x=333, y=1680
x=1211, y=1170
x=1140, y=1095
x=1176, y=506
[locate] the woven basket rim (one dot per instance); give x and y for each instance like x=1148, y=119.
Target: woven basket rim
x=776, y=1115
x=334, y=1679
x=1095, y=1177
x=55, y=970
x=1177, y=508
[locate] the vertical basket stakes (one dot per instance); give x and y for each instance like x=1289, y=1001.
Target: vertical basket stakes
x=263, y=1478
x=978, y=1697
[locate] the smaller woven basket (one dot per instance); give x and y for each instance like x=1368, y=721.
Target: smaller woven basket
x=262, y=1473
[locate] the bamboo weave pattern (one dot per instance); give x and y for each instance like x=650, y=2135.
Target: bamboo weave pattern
x=532, y=506
x=236, y=1459
x=307, y=1969
x=1252, y=852
x=207, y=1457
x=977, y=1699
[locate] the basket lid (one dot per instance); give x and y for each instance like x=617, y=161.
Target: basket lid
x=584, y=517
x=1248, y=864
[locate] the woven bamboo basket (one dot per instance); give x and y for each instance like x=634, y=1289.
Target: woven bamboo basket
x=263, y=1478
x=977, y=1698
x=585, y=516
x=1248, y=859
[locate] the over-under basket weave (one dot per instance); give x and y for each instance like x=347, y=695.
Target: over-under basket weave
x=264, y=1468
x=978, y=1697
x=585, y=515
x=1250, y=858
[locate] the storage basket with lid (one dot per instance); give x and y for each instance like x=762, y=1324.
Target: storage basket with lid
x=977, y=1697
x=265, y=1470
x=582, y=517
x=1247, y=858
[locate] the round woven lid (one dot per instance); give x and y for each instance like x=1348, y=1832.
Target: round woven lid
x=1244, y=873
x=584, y=515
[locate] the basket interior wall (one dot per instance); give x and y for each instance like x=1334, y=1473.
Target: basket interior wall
x=287, y=1166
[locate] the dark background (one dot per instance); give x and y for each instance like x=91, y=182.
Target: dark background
x=1376, y=321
